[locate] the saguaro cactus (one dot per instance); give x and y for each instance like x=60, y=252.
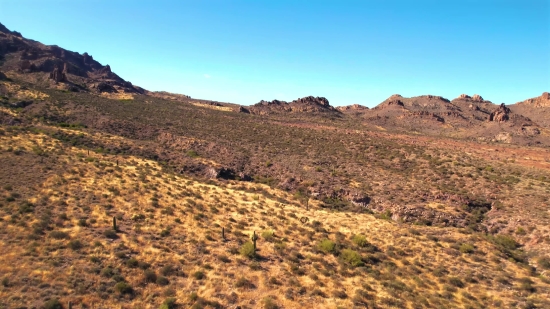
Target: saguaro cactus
x=254, y=237
x=223, y=233
x=114, y=224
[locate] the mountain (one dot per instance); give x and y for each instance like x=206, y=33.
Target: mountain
x=537, y=109
x=55, y=65
x=463, y=117
x=138, y=199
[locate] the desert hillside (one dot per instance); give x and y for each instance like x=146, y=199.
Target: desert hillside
x=113, y=196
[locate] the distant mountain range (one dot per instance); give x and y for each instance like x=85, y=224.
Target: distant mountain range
x=464, y=117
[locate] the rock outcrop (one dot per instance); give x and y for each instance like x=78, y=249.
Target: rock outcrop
x=353, y=107
x=477, y=98
x=305, y=104
x=474, y=98
x=58, y=75
x=542, y=101
x=501, y=114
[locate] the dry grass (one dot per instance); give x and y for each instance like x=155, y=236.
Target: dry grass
x=53, y=243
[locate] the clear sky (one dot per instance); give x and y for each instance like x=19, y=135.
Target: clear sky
x=347, y=51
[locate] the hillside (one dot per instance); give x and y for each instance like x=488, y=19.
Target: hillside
x=118, y=199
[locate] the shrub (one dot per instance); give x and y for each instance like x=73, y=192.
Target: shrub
x=339, y=294
x=75, y=245
x=165, y=233
x=268, y=235
x=123, y=288
x=466, y=248
x=505, y=242
x=53, y=304
x=167, y=270
x=242, y=282
x=169, y=303
x=150, y=275
x=107, y=272
x=269, y=303
x=247, y=250
x=132, y=263
x=352, y=258
x=110, y=234
x=456, y=282
x=199, y=275
x=360, y=240
x=544, y=262
x=327, y=246
x=59, y=235
x=193, y=296
x=526, y=284
x=161, y=280
x=192, y=153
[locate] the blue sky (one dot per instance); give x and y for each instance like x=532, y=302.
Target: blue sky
x=347, y=51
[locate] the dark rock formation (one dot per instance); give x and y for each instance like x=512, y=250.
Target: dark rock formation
x=306, y=104
x=103, y=87
x=2, y=76
x=59, y=76
x=396, y=102
x=501, y=114
x=221, y=173
x=241, y=109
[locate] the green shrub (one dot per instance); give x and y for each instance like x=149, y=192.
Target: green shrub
x=59, y=235
x=521, y=231
x=199, y=275
x=360, y=240
x=456, y=282
x=161, y=280
x=123, y=288
x=193, y=296
x=269, y=303
x=247, y=250
x=75, y=245
x=169, y=303
x=132, y=263
x=242, y=282
x=53, y=304
x=466, y=248
x=327, y=246
x=192, y=153
x=150, y=275
x=268, y=235
x=505, y=242
x=544, y=262
x=526, y=284
x=107, y=272
x=352, y=258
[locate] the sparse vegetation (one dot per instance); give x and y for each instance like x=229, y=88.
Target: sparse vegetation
x=343, y=250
